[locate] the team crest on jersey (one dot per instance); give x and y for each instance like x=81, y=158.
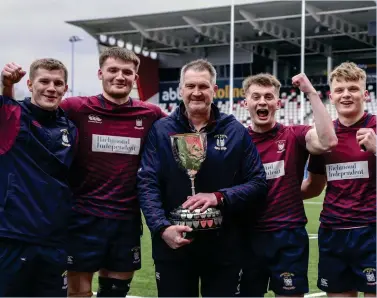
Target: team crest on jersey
x=65, y=141
x=139, y=123
x=220, y=142
x=94, y=118
x=136, y=254
x=287, y=280
x=370, y=274
x=281, y=146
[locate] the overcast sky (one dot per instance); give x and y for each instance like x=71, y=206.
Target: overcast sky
x=32, y=29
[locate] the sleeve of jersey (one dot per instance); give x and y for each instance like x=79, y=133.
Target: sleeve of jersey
x=254, y=188
x=149, y=186
x=317, y=164
x=300, y=132
x=70, y=106
x=10, y=114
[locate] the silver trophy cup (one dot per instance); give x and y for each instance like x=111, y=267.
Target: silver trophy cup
x=190, y=151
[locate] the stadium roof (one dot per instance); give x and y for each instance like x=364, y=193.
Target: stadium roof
x=270, y=29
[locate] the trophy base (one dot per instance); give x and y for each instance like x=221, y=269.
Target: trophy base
x=210, y=219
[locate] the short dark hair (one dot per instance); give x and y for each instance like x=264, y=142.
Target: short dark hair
x=48, y=64
x=262, y=79
x=119, y=53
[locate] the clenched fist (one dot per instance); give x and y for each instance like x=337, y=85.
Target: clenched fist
x=12, y=73
x=367, y=137
x=302, y=82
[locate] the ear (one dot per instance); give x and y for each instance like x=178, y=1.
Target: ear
x=278, y=104
x=215, y=88
x=136, y=77
x=366, y=95
x=65, y=88
x=331, y=100
x=30, y=85
x=245, y=102
x=99, y=74
x=180, y=90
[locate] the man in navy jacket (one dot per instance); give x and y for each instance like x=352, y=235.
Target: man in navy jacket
x=37, y=143
x=232, y=178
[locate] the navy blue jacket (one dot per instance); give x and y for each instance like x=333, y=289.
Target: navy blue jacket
x=36, y=151
x=235, y=170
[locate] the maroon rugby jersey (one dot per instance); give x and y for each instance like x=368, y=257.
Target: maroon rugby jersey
x=284, y=154
x=103, y=176
x=350, y=199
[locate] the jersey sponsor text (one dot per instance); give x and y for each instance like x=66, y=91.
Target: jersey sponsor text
x=274, y=169
x=114, y=144
x=347, y=170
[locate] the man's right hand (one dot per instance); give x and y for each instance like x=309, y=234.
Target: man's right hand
x=173, y=236
x=11, y=74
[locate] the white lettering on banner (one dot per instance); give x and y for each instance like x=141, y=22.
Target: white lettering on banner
x=274, y=169
x=347, y=170
x=171, y=95
x=112, y=144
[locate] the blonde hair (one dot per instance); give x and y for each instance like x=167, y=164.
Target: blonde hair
x=262, y=79
x=199, y=65
x=347, y=71
x=119, y=53
x=48, y=64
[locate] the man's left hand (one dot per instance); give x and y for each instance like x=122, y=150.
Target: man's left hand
x=367, y=137
x=302, y=82
x=201, y=200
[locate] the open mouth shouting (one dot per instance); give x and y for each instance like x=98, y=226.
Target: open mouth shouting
x=262, y=114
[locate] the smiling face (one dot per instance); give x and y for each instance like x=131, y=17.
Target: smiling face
x=47, y=88
x=118, y=77
x=348, y=97
x=197, y=91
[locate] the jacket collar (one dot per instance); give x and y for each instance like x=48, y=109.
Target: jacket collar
x=180, y=114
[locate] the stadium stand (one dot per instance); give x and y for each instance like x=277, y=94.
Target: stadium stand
x=291, y=108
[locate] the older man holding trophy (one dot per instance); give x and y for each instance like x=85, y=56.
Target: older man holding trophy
x=200, y=174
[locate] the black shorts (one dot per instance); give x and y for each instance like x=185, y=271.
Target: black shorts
x=347, y=260
x=277, y=261
x=103, y=243
x=29, y=270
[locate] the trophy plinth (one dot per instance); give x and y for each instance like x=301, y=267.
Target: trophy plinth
x=197, y=220
x=190, y=151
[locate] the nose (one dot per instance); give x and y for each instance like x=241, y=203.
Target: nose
x=346, y=93
x=51, y=87
x=119, y=76
x=196, y=92
x=262, y=101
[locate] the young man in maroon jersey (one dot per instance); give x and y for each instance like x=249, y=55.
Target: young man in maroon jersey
x=278, y=246
x=347, y=234
x=106, y=225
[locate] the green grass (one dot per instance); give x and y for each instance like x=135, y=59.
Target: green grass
x=144, y=284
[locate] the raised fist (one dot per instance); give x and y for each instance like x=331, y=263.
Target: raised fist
x=302, y=82
x=12, y=73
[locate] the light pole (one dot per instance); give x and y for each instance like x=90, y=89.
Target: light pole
x=231, y=58
x=72, y=40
